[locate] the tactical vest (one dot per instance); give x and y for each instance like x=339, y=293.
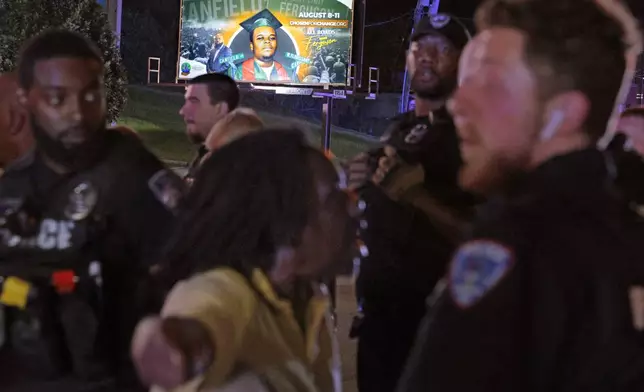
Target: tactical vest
x=51, y=291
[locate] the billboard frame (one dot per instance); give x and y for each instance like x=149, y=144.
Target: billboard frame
x=319, y=86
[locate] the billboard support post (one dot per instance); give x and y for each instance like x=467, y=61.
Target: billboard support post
x=327, y=112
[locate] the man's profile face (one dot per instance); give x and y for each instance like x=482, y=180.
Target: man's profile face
x=219, y=39
x=495, y=109
x=8, y=118
x=632, y=126
x=264, y=43
x=432, y=61
x=67, y=106
x=199, y=114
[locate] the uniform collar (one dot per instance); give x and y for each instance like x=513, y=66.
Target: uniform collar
x=577, y=173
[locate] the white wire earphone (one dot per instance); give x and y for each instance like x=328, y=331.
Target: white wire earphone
x=555, y=121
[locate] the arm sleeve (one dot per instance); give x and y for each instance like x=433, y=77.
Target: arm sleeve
x=224, y=306
x=512, y=339
x=148, y=205
x=403, y=225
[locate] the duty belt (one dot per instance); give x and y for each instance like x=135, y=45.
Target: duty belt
x=55, y=319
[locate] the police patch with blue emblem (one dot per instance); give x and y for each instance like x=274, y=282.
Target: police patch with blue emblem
x=477, y=268
x=167, y=188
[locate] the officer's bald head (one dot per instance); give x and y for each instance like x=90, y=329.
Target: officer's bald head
x=15, y=135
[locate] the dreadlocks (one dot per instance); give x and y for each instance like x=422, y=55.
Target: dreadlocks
x=249, y=198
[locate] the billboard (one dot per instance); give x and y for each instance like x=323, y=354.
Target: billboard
x=267, y=41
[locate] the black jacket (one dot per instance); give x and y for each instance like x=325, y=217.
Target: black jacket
x=194, y=164
x=537, y=299
x=126, y=231
x=408, y=253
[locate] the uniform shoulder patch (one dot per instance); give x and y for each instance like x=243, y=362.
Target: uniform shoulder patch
x=478, y=267
x=167, y=187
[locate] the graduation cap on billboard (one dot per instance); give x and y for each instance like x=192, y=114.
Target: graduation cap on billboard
x=264, y=18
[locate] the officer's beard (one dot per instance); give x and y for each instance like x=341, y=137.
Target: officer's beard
x=441, y=90
x=77, y=158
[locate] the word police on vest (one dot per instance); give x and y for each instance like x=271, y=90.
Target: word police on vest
x=52, y=235
x=19, y=217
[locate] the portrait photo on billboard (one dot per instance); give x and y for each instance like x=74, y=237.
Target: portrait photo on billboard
x=267, y=41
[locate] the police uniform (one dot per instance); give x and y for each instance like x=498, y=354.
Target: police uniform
x=539, y=298
x=408, y=249
x=74, y=250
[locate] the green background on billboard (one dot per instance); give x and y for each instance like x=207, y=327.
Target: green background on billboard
x=205, y=13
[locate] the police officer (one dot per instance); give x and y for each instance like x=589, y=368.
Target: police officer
x=16, y=139
x=415, y=209
x=208, y=99
x=545, y=295
x=80, y=226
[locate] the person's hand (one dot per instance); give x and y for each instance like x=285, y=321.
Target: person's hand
x=385, y=164
x=157, y=362
x=358, y=171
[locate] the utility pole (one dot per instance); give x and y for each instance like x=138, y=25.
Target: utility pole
x=114, y=9
x=640, y=78
x=423, y=7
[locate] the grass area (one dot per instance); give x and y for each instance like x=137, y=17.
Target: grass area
x=154, y=114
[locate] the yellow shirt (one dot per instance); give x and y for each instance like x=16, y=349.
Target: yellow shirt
x=250, y=335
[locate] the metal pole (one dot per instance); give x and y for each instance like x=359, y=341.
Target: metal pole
x=327, y=111
x=119, y=14
x=360, y=66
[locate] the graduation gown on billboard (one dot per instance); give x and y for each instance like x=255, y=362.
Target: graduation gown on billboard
x=250, y=70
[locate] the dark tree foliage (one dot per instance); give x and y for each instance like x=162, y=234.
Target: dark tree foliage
x=22, y=19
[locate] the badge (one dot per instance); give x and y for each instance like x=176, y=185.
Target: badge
x=416, y=134
x=439, y=21
x=636, y=297
x=167, y=188
x=82, y=201
x=477, y=268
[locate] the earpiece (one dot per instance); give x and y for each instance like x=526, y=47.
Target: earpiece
x=556, y=119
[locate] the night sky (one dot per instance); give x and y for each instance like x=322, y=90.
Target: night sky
x=384, y=44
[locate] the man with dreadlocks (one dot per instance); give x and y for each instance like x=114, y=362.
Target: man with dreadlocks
x=267, y=217
x=546, y=294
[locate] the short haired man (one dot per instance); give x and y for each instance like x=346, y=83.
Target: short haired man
x=83, y=224
x=208, y=99
x=16, y=139
x=537, y=298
